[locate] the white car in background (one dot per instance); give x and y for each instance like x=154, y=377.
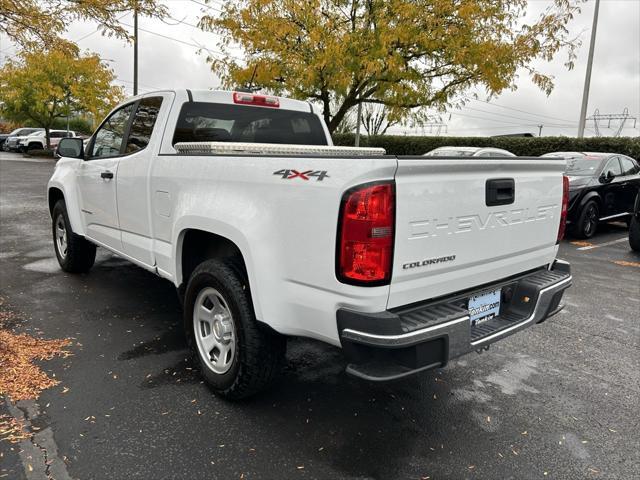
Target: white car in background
x=12, y=140
x=468, y=152
x=38, y=140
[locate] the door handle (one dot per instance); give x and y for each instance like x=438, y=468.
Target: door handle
x=500, y=191
x=106, y=174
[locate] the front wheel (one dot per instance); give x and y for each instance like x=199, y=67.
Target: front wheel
x=238, y=356
x=634, y=234
x=588, y=220
x=75, y=254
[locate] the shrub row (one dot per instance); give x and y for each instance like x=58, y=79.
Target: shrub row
x=77, y=124
x=522, y=146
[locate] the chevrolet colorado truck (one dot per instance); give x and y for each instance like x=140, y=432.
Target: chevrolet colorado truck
x=267, y=230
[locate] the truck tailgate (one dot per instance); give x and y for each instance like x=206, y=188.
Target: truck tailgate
x=457, y=227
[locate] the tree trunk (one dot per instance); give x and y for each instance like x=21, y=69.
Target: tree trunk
x=342, y=111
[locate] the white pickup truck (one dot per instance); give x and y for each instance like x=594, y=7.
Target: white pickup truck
x=269, y=231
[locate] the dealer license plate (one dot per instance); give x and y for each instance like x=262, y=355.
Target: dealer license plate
x=484, y=306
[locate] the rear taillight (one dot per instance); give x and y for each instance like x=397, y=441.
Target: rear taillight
x=565, y=207
x=251, y=99
x=365, y=235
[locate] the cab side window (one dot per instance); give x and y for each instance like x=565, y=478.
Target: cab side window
x=142, y=124
x=613, y=166
x=108, y=139
x=628, y=166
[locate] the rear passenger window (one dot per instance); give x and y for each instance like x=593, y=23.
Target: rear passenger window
x=142, y=124
x=216, y=122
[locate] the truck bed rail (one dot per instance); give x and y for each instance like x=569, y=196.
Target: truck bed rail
x=245, y=148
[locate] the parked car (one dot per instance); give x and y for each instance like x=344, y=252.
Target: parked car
x=38, y=140
x=267, y=230
x=11, y=141
x=468, y=152
x=634, y=226
x=602, y=187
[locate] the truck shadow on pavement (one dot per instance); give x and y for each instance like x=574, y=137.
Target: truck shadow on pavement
x=314, y=408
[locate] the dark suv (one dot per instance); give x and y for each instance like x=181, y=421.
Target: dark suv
x=602, y=187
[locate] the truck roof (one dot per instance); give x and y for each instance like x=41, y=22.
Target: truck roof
x=226, y=96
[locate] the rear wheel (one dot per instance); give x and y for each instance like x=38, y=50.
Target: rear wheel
x=588, y=220
x=634, y=234
x=75, y=254
x=238, y=356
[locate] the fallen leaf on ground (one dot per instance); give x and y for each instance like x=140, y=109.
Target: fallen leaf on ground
x=20, y=377
x=11, y=429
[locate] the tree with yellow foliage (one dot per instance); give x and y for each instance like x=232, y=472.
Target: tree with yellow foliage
x=38, y=23
x=41, y=87
x=403, y=54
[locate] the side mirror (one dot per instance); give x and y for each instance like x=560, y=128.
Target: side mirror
x=607, y=177
x=70, y=148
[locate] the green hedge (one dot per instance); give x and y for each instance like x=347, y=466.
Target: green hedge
x=523, y=146
x=77, y=124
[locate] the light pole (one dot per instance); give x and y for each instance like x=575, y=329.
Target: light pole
x=587, y=80
x=135, y=49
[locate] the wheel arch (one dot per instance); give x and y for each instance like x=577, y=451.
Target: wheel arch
x=592, y=195
x=196, y=245
x=55, y=192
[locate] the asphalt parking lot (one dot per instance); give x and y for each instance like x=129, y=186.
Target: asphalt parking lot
x=557, y=401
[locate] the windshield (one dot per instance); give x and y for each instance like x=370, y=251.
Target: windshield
x=583, y=166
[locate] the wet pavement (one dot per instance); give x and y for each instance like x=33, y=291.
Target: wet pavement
x=559, y=400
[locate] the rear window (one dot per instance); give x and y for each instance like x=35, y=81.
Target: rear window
x=215, y=122
x=59, y=134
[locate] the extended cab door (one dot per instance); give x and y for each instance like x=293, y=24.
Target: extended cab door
x=134, y=176
x=97, y=179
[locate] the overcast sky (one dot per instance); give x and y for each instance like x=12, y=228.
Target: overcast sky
x=174, y=63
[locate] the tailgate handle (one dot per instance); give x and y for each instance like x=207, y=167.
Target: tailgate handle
x=500, y=191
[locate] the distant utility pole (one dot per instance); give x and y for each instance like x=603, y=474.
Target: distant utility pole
x=135, y=49
x=587, y=80
x=437, y=126
x=540, y=130
x=597, y=117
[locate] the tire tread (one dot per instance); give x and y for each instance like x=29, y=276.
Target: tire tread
x=81, y=254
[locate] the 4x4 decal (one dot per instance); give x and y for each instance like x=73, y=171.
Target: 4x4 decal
x=288, y=174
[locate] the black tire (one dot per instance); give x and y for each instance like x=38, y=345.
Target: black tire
x=33, y=146
x=80, y=253
x=588, y=220
x=259, y=351
x=634, y=234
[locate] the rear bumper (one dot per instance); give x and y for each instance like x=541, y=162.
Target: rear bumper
x=396, y=343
